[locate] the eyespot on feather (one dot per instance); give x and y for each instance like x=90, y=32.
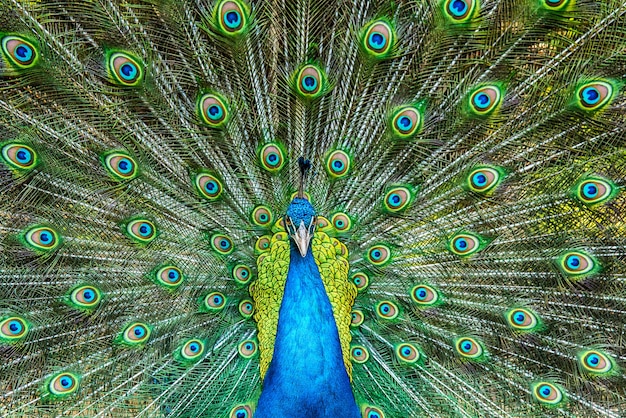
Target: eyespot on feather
x=359, y=354
x=469, y=348
x=13, y=329
x=460, y=11
x=120, y=165
x=484, y=101
x=310, y=82
x=222, y=244
x=386, y=309
x=84, y=297
x=20, y=52
x=248, y=348
x=272, y=157
x=378, y=39
x=208, y=186
x=214, y=302
x=547, y=393
x=62, y=385
x=42, y=239
x=231, y=17
x=338, y=164
x=141, y=230
x=379, y=255
x=262, y=216
x=405, y=121
x=19, y=156
x=360, y=280
x=124, y=69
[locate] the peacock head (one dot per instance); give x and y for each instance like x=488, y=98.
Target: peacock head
x=300, y=222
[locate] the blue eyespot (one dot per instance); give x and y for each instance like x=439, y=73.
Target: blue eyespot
x=482, y=100
x=405, y=123
x=545, y=390
x=233, y=19
x=272, y=159
x=139, y=331
x=590, y=190
x=593, y=360
x=215, y=112
x=458, y=7
x=145, y=229
x=377, y=40
x=309, y=83
x=519, y=318
x=591, y=95
x=573, y=261
x=15, y=327
x=460, y=244
x=467, y=346
x=24, y=53
x=124, y=166
x=23, y=155
x=128, y=71
x=479, y=179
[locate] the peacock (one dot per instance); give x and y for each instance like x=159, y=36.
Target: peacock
x=311, y=208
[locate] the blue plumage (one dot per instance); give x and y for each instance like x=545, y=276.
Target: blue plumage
x=307, y=377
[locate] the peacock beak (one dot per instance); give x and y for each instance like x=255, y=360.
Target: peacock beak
x=302, y=237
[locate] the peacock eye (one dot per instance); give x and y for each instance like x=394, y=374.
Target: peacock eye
x=241, y=411
x=359, y=354
x=594, y=95
x=19, y=52
x=13, y=329
x=405, y=122
x=214, y=302
x=208, y=186
x=310, y=82
x=42, y=238
x=469, y=348
x=246, y=308
x=522, y=319
x=338, y=164
x=594, y=191
x=169, y=276
x=377, y=39
x=262, y=216
x=85, y=297
x=242, y=274
x=485, y=100
x=272, y=157
x=141, y=230
x=397, y=199
x=407, y=353
x=379, y=255
x=19, y=156
x=460, y=11
x=595, y=362
x=341, y=222
x=124, y=69
x=232, y=17
x=213, y=110
x=135, y=334
x=387, y=310
x=547, y=393
x=356, y=318
x=577, y=264
x=372, y=412
x=465, y=244
x=424, y=295
x=247, y=349
x=360, y=280
x=192, y=349
x=484, y=180
x=63, y=384
x=120, y=165
x=222, y=244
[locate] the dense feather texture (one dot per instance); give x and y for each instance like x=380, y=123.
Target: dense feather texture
x=477, y=155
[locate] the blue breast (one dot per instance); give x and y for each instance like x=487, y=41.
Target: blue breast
x=307, y=377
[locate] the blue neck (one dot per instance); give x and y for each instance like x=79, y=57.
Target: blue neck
x=307, y=376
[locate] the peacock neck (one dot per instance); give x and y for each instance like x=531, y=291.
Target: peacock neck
x=307, y=376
